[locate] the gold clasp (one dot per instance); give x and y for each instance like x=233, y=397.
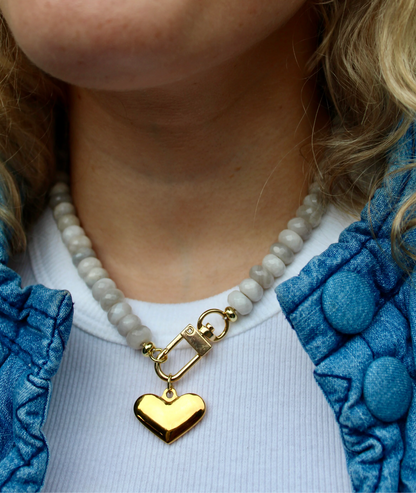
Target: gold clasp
x=149, y=351
x=200, y=339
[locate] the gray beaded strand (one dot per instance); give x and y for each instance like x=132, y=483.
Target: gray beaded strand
x=90, y=269
x=112, y=300
x=299, y=229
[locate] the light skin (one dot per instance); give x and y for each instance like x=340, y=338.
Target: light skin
x=187, y=123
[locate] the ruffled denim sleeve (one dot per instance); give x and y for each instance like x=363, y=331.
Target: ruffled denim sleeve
x=354, y=312
x=35, y=323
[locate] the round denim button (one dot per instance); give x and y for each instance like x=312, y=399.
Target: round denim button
x=387, y=389
x=348, y=303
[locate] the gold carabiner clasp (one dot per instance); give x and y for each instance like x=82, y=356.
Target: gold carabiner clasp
x=196, y=340
x=228, y=315
x=200, y=339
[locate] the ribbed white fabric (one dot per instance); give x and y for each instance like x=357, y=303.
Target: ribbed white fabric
x=267, y=427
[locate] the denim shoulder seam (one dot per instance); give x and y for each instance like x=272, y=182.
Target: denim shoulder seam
x=52, y=338
x=338, y=377
x=12, y=345
x=24, y=462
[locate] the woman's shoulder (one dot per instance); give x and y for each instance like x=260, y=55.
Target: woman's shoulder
x=35, y=323
x=354, y=311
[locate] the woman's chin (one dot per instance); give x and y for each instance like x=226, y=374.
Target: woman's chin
x=137, y=44
x=89, y=45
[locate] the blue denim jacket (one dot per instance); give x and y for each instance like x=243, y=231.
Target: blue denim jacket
x=352, y=308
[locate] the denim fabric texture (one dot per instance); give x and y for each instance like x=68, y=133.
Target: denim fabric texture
x=348, y=289
x=381, y=455
x=386, y=376
x=34, y=328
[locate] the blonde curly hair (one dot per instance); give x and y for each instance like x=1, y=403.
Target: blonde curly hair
x=366, y=64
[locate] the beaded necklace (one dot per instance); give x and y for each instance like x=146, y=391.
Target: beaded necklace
x=170, y=416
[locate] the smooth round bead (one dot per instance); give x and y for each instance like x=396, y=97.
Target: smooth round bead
x=58, y=199
x=101, y=287
x=128, y=323
x=315, y=219
x=387, y=389
x=283, y=252
x=87, y=264
x=81, y=254
x=301, y=227
x=262, y=276
x=314, y=188
x=312, y=200
x=110, y=298
x=348, y=302
x=137, y=337
x=240, y=302
x=291, y=240
x=310, y=214
x=274, y=265
x=59, y=187
x=251, y=289
x=63, y=209
x=94, y=275
x=71, y=232
x=78, y=242
x=67, y=220
x=118, y=311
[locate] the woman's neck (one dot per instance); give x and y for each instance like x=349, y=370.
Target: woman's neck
x=183, y=188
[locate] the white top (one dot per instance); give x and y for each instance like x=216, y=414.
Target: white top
x=267, y=426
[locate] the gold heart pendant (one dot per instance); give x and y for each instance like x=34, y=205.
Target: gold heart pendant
x=169, y=417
